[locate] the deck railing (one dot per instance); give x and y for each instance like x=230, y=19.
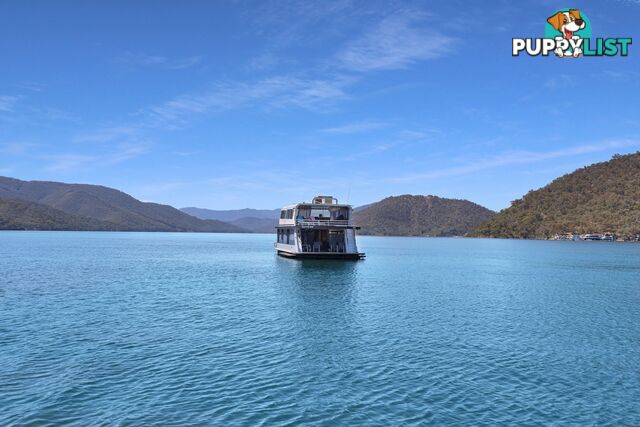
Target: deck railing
x=323, y=222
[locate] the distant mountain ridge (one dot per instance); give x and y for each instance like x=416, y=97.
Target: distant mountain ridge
x=232, y=214
x=113, y=209
x=603, y=197
x=254, y=220
x=409, y=215
x=256, y=225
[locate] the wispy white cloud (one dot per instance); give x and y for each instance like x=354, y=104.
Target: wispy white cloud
x=8, y=103
x=131, y=58
x=516, y=158
x=68, y=162
x=357, y=127
x=398, y=41
x=31, y=86
x=263, y=61
x=185, y=153
x=560, y=80
x=275, y=181
x=626, y=76
x=183, y=63
x=275, y=92
x=108, y=134
x=16, y=148
x=73, y=162
x=56, y=115
x=138, y=59
x=634, y=2
x=127, y=151
x=284, y=23
x=419, y=135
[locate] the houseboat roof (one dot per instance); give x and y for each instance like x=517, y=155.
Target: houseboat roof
x=323, y=201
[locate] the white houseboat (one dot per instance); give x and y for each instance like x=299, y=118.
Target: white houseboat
x=321, y=229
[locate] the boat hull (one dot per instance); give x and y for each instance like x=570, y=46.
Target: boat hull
x=323, y=255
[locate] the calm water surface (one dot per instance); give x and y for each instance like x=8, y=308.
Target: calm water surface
x=197, y=329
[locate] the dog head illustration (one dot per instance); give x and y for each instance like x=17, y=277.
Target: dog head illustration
x=567, y=22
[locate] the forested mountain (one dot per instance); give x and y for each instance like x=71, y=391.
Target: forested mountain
x=26, y=215
x=603, y=197
x=409, y=215
x=112, y=208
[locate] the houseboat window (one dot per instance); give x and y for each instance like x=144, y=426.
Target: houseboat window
x=289, y=213
x=320, y=213
x=288, y=237
x=283, y=213
x=304, y=212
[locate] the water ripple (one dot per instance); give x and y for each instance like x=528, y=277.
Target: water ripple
x=186, y=329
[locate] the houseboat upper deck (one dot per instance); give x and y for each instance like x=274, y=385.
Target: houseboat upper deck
x=320, y=229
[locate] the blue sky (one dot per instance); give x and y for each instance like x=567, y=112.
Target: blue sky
x=259, y=104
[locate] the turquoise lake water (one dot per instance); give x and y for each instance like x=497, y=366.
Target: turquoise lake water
x=215, y=329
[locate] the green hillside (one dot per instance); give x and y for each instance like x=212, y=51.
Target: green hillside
x=603, y=197
x=25, y=215
x=409, y=215
x=107, y=205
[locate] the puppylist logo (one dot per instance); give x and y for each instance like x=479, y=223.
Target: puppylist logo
x=568, y=35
